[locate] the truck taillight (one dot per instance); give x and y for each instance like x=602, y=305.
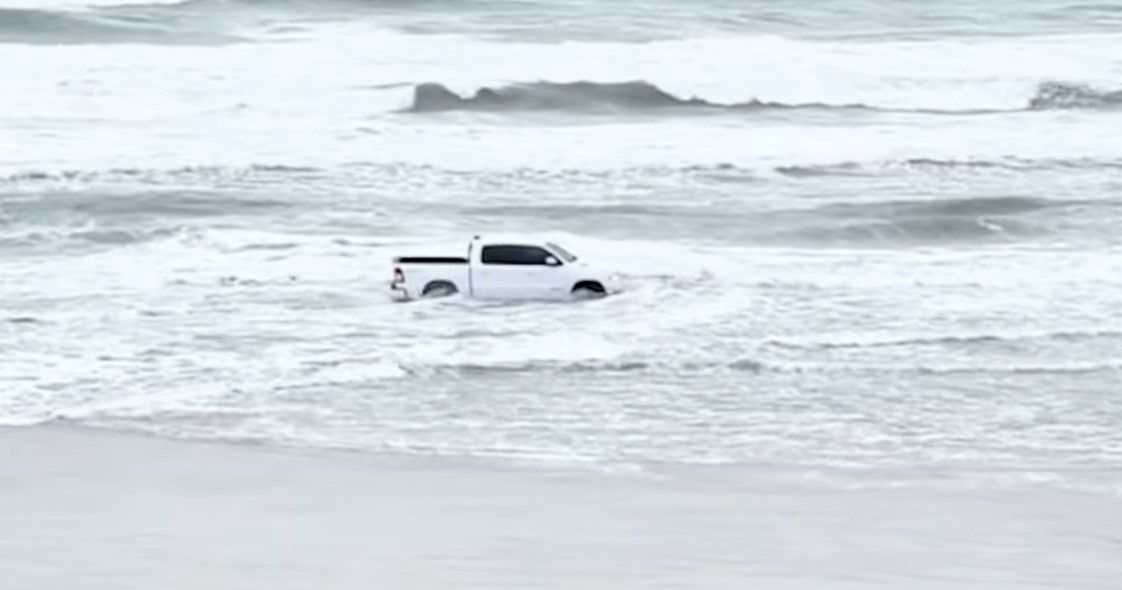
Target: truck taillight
x=398, y=275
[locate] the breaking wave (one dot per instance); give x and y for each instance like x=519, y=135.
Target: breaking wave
x=1057, y=95
x=578, y=96
x=585, y=96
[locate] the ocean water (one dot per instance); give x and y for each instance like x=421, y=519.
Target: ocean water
x=857, y=235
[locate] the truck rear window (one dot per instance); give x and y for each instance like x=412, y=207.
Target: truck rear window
x=515, y=255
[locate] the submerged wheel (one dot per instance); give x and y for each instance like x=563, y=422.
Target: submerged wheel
x=588, y=290
x=439, y=289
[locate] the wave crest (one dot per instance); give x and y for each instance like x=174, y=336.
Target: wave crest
x=639, y=96
x=578, y=96
x=1058, y=95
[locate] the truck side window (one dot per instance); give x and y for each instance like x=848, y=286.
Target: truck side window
x=521, y=255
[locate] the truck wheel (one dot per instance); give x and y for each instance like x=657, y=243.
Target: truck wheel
x=439, y=289
x=588, y=290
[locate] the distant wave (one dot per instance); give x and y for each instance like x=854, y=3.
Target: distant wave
x=50, y=27
x=586, y=366
x=1009, y=164
x=580, y=96
x=879, y=223
x=641, y=96
x=743, y=365
x=159, y=176
x=720, y=172
x=44, y=26
x=952, y=340
x=1089, y=368
x=922, y=221
x=1057, y=95
x=101, y=237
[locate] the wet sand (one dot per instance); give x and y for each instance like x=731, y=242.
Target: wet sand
x=92, y=510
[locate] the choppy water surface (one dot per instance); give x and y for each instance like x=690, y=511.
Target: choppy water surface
x=853, y=234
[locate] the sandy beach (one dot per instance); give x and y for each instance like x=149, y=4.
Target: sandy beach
x=88, y=509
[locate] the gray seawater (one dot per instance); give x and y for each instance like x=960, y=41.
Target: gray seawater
x=854, y=234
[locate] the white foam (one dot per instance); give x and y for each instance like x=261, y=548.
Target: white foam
x=167, y=107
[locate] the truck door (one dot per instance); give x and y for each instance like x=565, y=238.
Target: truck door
x=517, y=271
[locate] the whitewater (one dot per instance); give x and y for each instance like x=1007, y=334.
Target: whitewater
x=866, y=245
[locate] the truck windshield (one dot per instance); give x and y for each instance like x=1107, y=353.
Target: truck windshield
x=561, y=251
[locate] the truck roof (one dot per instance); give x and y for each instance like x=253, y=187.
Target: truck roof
x=513, y=239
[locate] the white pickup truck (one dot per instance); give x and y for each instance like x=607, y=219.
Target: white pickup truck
x=501, y=268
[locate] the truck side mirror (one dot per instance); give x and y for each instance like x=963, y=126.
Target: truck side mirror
x=551, y=261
